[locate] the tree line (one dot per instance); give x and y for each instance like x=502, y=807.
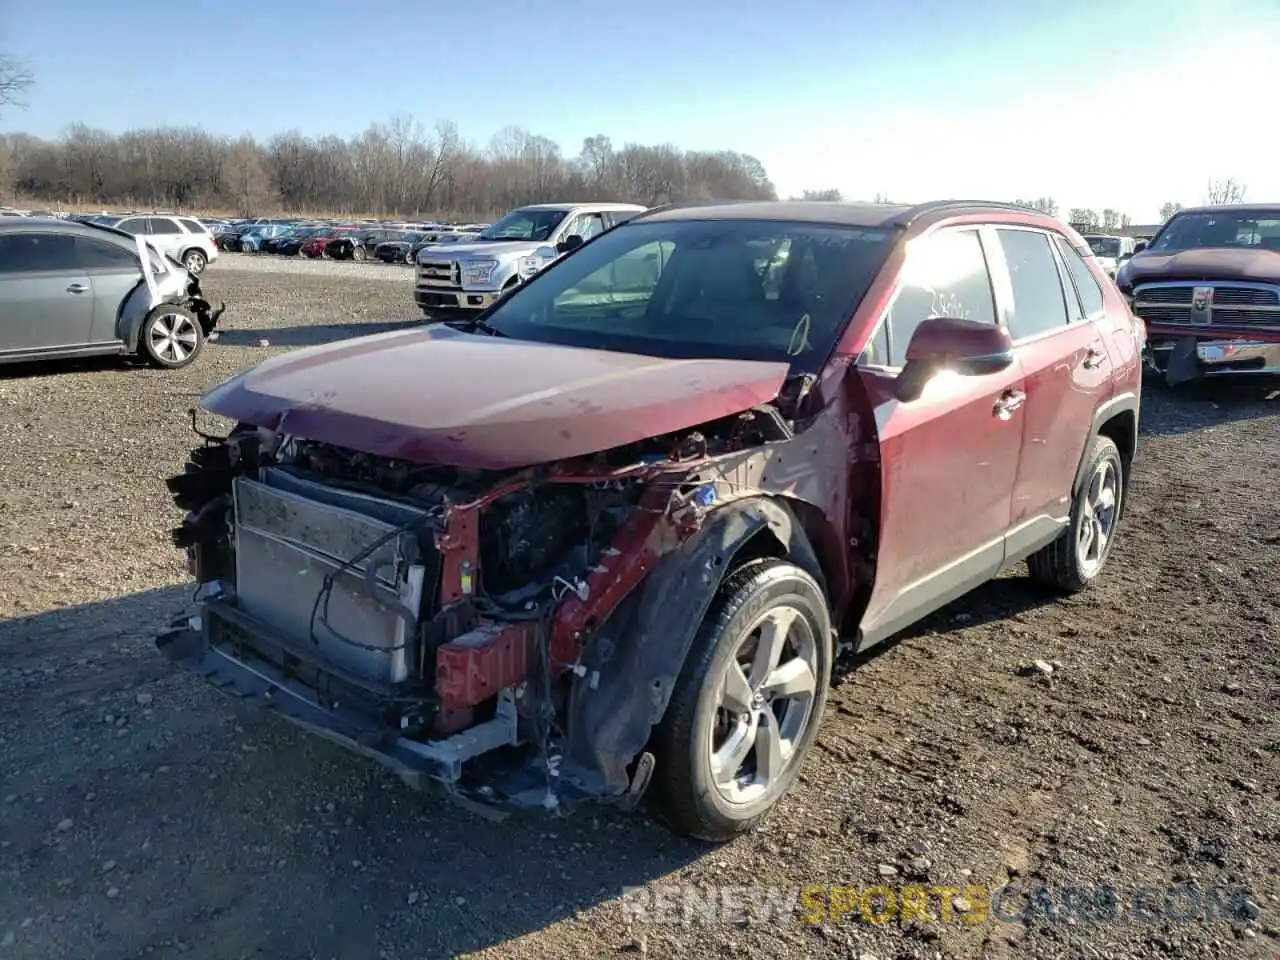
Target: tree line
x=399, y=168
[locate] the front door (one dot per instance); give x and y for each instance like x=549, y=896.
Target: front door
x=46, y=299
x=949, y=459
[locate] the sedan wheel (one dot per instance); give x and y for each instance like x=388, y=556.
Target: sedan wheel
x=171, y=337
x=747, y=704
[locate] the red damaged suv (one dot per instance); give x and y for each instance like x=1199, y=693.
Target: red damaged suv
x=605, y=536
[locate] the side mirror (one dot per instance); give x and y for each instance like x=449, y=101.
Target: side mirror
x=966, y=347
x=1123, y=257
x=1140, y=246
x=569, y=243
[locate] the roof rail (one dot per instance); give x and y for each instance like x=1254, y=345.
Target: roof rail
x=957, y=206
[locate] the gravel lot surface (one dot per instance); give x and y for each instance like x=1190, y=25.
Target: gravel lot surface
x=306, y=267
x=143, y=814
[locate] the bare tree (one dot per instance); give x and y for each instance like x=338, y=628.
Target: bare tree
x=829, y=194
x=15, y=81
x=1083, y=217
x=1229, y=190
x=1168, y=209
x=1110, y=220
x=1046, y=205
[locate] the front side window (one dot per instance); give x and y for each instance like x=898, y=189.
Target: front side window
x=703, y=288
x=1039, y=304
x=1235, y=228
x=37, y=253
x=945, y=275
x=525, y=224
x=586, y=226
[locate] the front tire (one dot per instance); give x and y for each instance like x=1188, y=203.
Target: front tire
x=358, y=254
x=747, y=704
x=171, y=337
x=1074, y=560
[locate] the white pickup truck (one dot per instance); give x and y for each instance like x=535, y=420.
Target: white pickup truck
x=467, y=277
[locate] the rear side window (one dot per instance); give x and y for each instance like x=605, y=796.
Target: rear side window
x=945, y=276
x=1087, y=288
x=37, y=252
x=136, y=225
x=1039, y=304
x=99, y=255
x=616, y=217
x=163, y=226
x=195, y=226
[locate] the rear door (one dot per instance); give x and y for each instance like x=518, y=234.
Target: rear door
x=46, y=299
x=1068, y=369
x=949, y=459
x=115, y=273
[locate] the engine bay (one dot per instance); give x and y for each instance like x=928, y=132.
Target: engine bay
x=429, y=613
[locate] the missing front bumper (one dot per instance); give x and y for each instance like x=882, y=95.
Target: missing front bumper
x=200, y=644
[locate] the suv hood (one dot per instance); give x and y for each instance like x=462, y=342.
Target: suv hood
x=471, y=400
x=1209, y=263
x=495, y=248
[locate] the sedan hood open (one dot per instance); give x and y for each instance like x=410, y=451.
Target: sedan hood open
x=438, y=395
x=1209, y=263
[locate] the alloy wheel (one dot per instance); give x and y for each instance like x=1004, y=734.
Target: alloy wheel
x=766, y=698
x=173, y=337
x=1098, y=517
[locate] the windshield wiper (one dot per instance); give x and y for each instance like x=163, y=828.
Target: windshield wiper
x=476, y=325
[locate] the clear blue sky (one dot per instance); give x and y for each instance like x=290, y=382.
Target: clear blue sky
x=1122, y=103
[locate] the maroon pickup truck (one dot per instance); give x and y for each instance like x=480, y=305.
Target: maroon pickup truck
x=1208, y=288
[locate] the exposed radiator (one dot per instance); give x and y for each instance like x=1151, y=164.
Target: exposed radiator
x=291, y=534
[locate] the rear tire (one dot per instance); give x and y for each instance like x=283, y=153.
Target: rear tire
x=358, y=254
x=195, y=261
x=1073, y=561
x=171, y=337
x=747, y=704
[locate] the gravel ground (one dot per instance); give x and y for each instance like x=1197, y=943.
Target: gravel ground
x=302, y=266
x=146, y=815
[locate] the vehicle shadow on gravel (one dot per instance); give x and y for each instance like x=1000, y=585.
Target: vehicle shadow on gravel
x=56, y=368
x=1198, y=405
x=145, y=809
x=308, y=335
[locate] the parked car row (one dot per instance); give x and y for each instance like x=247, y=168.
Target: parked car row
x=339, y=240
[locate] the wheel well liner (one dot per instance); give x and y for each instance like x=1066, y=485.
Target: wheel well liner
x=633, y=661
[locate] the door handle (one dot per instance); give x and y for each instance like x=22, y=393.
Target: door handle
x=1093, y=359
x=78, y=288
x=1009, y=401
